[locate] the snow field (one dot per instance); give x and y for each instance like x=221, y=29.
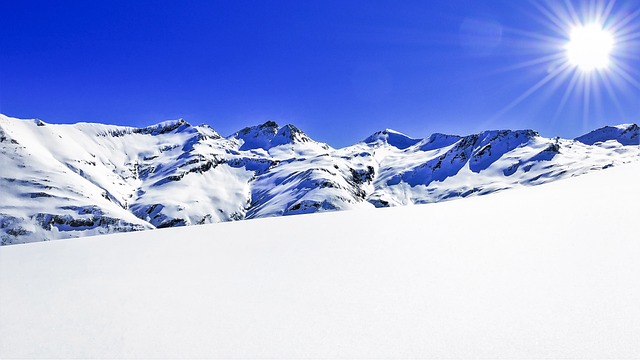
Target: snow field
x=536, y=272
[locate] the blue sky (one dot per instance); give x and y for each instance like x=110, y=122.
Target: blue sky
x=339, y=70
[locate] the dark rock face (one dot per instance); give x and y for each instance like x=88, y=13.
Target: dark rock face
x=4, y=137
x=363, y=176
x=163, y=128
x=12, y=228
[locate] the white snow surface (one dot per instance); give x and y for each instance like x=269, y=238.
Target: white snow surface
x=549, y=271
x=65, y=181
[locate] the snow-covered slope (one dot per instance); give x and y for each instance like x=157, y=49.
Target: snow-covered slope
x=61, y=181
x=625, y=134
x=536, y=272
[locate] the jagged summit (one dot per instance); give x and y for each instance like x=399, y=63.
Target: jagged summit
x=509, y=139
x=268, y=135
x=165, y=127
x=391, y=137
x=625, y=134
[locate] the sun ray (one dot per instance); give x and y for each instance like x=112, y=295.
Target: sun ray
x=532, y=90
x=626, y=76
x=612, y=95
x=619, y=26
x=605, y=14
x=625, y=38
x=597, y=92
x=585, y=100
x=573, y=14
x=596, y=10
x=548, y=59
x=545, y=39
x=554, y=20
x=568, y=91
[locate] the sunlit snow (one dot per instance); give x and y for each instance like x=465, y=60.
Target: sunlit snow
x=549, y=271
x=63, y=181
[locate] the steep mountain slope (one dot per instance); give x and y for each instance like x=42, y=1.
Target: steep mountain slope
x=141, y=178
x=625, y=134
x=544, y=272
x=60, y=181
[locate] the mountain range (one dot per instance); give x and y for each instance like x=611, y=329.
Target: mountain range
x=62, y=181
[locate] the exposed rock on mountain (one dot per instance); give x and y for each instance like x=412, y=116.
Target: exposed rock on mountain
x=269, y=135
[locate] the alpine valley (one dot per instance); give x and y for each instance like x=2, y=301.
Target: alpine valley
x=63, y=181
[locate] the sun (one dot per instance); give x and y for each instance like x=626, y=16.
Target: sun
x=582, y=53
x=589, y=47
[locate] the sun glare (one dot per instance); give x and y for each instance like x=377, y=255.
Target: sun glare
x=585, y=50
x=589, y=47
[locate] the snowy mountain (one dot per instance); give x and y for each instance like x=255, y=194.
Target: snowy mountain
x=626, y=134
x=61, y=181
x=543, y=272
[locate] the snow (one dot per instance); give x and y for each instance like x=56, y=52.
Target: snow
x=391, y=137
x=626, y=134
x=63, y=181
x=535, y=272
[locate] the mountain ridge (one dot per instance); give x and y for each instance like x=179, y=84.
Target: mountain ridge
x=62, y=181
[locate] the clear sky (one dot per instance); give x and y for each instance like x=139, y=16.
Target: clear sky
x=339, y=70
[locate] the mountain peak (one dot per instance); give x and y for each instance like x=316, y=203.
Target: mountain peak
x=268, y=135
x=391, y=137
x=625, y=134
x=165, y=127
x=438, y=140
x=508, y=139
x=269, y=124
